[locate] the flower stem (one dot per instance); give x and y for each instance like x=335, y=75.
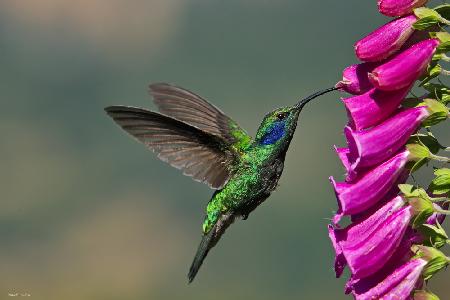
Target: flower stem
x=440, y=158
x=442, y=211
x=445, y=72
x=445, y=57
x=439, y=199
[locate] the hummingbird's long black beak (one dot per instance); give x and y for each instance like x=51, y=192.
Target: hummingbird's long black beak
x=302, y=102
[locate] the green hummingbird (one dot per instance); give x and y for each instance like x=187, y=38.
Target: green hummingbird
x=196, y=137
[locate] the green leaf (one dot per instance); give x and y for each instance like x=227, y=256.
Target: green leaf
x=425, y=23
x=418, y=151
x=438, y=91
x=410, y=191
x=424, y=12
x=427, y=17
x=423, y=209
x=428, y=140
x=439, y=112
x=443, y=10
x=433, y=71
x=436, y=259
x=435, y=235
x=442, y=36
x=435, y=265
x=441, y=183
x=443, y=47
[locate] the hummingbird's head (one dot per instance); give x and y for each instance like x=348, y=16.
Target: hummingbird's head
x=278, y=126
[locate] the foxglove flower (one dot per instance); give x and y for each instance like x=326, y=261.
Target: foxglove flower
x=395, y=285
x=386, y=40
x=403, y=69
x=370, y=188
x=369, y=255
x=373, y=107
x=371, y=147
x=402, y=254
x=357, y=233
x=355, y=78
x=394, y=8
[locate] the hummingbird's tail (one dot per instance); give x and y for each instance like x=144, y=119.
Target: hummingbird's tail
x=209, y=240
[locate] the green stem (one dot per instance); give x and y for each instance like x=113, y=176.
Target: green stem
x=440, y=158
x=439, y=199
x=445, y=72
x=442, y=211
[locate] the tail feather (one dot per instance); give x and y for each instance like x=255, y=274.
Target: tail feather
x=202, y=251
x=209, y=240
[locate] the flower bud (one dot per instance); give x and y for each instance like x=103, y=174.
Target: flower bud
x=386, y=40
x=405, y=68
x=394, y=8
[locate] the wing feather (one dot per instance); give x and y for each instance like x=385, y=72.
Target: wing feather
x=192, y=109
x=199, y=154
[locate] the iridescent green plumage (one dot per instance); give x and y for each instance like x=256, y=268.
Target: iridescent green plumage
x=193, y=135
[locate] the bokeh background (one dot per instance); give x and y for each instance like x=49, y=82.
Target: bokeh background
x=87, y=213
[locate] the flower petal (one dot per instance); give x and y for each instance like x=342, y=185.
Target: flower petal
x=397, y=285
x=367, y=191
x=373, y=107
x=403, y=69
x=369, y=255
x=355, y=78
x=371, y=147
x=386, y=40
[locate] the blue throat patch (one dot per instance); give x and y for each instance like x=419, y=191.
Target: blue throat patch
x=274, y=133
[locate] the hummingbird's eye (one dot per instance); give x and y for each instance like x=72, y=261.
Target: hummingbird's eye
x=282, y=116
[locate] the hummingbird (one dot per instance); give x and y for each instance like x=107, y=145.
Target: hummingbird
x=192, y=135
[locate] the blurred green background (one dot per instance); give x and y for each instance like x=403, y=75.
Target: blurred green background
x=87, y=213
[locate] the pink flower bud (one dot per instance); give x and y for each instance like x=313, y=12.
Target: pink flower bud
x=405, y=68
x=394, y=8
x=386, y=40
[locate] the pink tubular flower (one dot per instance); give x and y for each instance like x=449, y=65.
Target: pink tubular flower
x=369, y=255
x=357, y=233
x=355, y=78
x=373, y=107
x=395, y=285
x=394, y=8
x=402, y=70
x=371, y=147
x=386, y=40
x=367, y=191
x=401, y=256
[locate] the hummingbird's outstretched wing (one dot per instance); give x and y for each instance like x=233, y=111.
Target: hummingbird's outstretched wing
x=199, y=154
x=192, y=109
